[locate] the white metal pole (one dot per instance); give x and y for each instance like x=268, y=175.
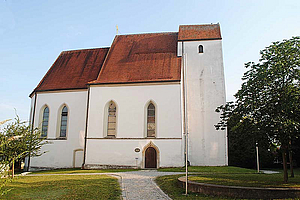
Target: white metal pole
x=257, y=158
x=186, y=124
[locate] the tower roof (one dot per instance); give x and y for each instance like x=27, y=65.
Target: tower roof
x=199, y=32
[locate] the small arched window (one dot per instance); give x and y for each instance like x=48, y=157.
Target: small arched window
x=200, y=49
x=63, y=122
x=111, y=121
x=45, y=122
x=151, y=120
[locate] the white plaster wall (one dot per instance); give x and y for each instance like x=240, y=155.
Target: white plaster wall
x=205, y=92
x=60, y=152
x=131, y=123
x=131, y=116
x=121, y=152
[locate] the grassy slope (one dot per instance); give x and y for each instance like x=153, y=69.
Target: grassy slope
x=78, y=170
x=64, y=187
x=205, y=169
x=247, y=180
x=223, y=175
x=170, y=186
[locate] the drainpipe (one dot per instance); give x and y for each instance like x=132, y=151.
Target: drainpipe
x=32, y=127
x=86, y=126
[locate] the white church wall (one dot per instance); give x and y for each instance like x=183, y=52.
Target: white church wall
x=205, y=92
x=131, y=101
x=120, y=152
x=60, y=152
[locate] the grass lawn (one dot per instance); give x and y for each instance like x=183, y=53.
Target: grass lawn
x=170, y=186
x=63, y=187
x=78, y=170
x=205, y=169
x=247, y=180
x=223, y=176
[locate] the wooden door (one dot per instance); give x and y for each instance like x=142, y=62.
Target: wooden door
x=150, y=158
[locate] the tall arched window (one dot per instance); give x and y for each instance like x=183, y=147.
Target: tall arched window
x=151, y=120
x=45, y=122
x=63, y=122
x=200, y=49
x=111, y=121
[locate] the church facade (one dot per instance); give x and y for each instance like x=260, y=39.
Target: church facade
x=130, y=105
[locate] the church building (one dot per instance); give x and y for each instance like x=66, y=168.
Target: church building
x=131, y=104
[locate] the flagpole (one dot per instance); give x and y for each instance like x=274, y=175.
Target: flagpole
x=185, y=121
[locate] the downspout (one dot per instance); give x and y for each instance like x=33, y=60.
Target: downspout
x=86, y=126
x=32, y=127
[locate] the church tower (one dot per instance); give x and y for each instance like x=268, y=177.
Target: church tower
x=200, y=47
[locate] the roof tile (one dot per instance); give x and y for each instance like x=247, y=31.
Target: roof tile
x=73, y=69
x=141, y=58
x=199, y=32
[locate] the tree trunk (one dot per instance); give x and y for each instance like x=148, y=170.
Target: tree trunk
x=28, y=163
x=285, y=172
x=13, y=169
x=291, y=163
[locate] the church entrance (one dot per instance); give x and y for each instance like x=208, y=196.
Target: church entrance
x=150, y=158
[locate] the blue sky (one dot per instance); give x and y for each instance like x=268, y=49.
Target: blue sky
x=33, y=33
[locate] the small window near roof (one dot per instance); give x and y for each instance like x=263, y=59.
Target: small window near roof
x=200, y=49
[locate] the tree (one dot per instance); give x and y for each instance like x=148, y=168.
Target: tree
x=242, y=140
x=270, y=96
x=19, y=140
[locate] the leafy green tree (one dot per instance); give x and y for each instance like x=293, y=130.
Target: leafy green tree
x=270, y=95
x=242, y=140
x=19, y=140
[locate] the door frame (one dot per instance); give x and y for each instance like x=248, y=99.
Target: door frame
x=151, y=144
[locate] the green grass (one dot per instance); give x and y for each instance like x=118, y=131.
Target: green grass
x=223, y=176
x=78, y=170
x=63, y=187
x=205, y=169
x=170, y=186
x=247, y=180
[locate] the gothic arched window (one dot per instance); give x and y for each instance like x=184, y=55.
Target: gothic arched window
x=111, y=121
x=151, y=120
x=45, y=122
x=63, y=122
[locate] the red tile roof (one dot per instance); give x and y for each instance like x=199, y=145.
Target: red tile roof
x=199, y=32
x=141, y=58
x=134, y=58
x=73, y=69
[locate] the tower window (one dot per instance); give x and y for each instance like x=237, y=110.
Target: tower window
x=200, y=48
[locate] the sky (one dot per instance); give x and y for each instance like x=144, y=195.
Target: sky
x=33, y=33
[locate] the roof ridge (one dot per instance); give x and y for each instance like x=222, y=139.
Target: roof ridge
x=147, y=33
x=89, y=49
x=199, y=24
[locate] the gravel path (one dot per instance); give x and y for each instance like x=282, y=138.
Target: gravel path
x=136, y=185
x=140, y=185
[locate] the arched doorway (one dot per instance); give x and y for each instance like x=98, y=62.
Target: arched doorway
x=150, y=158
